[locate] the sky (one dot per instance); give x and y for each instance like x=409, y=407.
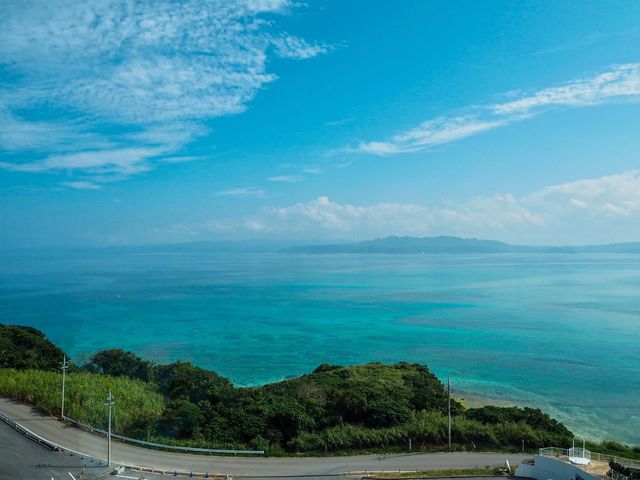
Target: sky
x=134, y=122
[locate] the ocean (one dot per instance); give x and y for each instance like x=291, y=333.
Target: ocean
x=556, y=331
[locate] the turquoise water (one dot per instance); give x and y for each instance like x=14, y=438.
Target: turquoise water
x=561, y=332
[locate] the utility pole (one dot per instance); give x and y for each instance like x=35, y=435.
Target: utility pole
x=64, y=366
x=110, y=403
x=449, y=407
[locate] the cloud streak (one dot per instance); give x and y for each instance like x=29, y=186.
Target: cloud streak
x=286, y=178
x=620, y=83
x=242, y=192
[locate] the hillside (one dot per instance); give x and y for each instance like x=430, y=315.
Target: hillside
x=332, y=409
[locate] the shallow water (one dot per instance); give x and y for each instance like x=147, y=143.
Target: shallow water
x=561, y=332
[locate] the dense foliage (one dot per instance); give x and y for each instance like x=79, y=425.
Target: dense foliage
x=622, y=472
x=332, y=409
x=119, y=363
x=26, y=347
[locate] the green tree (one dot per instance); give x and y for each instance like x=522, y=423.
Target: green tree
x=119, y=363
x=27, y=347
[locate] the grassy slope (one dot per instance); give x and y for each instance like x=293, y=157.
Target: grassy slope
x=136, y=403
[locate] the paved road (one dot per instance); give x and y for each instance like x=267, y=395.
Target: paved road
x=25, y=459
x=94, y=445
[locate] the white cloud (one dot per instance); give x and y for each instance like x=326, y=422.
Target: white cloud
x=81, y=185
x=605, y=209
x=117, y=162
x=293, y=47
x=621, y=83
x=312, y=170
x=286, y=178
x=335, y=218
x=430, y=133
x=18, y=134
x=242, y=192
x=605, y=197
x=157, y=68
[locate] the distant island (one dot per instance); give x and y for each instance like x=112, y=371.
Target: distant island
x=453, y=245
x=386, y=245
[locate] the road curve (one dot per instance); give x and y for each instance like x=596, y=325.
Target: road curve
x=96, y=446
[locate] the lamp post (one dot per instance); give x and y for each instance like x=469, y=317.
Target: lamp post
x=449, y=407
x=65, y=364
x=110, y=402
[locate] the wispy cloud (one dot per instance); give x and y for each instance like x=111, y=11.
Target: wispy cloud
x=312, y=170
x=81, y=185
x=340, y=121
x=242, y=192
x=157, y=69
x=117, y=162
x=620, y=83
x=286, y=178
x=18, y=134
x=289, y=46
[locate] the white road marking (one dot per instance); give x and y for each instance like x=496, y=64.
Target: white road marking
x=74, y=478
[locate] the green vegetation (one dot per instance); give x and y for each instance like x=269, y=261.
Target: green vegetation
x=138, y=404
x=622, y=472
x=26, y=347
x=615, y=449
x=448, y=473
x=333, y=409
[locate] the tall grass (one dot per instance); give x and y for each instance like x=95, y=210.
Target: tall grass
x=428, y=430
x=137, y=406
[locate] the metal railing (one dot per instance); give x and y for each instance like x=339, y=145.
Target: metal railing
x=43, y=441
x=161, y=446
x=557, y=452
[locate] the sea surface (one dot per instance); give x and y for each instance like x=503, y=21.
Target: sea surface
x=560, y=332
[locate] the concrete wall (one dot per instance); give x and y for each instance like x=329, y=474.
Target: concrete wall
x=546, y=468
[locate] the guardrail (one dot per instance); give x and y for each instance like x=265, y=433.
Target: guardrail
x=27, y=433
x=43, y=441
x=103, y=462
x=143, y=443
x=595, y=457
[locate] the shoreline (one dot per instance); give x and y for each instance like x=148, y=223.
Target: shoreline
x=476, y=400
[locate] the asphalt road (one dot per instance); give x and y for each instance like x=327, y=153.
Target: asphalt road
x=96, y=446
x=22, y=458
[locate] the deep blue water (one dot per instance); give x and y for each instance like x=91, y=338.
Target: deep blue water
x=561, y=332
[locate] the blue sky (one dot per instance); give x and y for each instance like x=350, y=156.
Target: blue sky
x=127, y=122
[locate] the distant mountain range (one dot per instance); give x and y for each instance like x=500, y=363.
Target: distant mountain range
x=454, y=245
x=391, y=245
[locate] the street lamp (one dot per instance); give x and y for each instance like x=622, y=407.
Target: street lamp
x=110, y=402
x=65, y=364
x=449, y=407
